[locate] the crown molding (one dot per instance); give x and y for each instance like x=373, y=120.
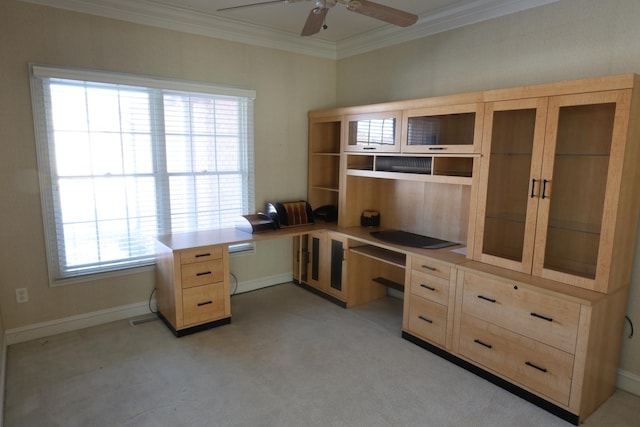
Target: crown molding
x=438, y=21
x=189, y=21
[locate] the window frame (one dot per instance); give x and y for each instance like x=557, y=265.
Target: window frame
x=52, y=211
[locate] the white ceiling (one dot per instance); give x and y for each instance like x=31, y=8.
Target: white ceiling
x=290, y=17
x=279, y=25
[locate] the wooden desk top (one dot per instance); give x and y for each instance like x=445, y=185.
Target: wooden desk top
x=229, y=236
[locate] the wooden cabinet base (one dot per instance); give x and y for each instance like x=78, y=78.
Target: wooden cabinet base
x=322, y=294
x=494, y=379
x=196, y=328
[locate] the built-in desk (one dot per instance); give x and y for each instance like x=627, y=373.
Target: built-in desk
x=192, y=273
x=529, y=335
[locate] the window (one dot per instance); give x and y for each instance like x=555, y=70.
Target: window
x=124, y=158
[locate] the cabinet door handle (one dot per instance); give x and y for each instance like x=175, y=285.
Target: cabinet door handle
x=428, y=267
x=201, y=255
x=204, y=273
x=436, y=148
x=540, y=316
x=544, y=188
x=368, y=148
x=535, y=366
x=533, y=186
x=484, y=344
x=425, y=319
x=486, y=298
x=431, y=288
x=200, y=304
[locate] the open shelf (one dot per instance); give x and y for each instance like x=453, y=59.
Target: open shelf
x=389, y=283
x=443, y=169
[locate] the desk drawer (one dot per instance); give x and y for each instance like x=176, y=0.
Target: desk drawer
x=427, y=319
x=204, y=253
x=429, y=266
x=200, y=273
x=430, y=287
x=544, y=369
x=543, y=317
x=203, y=303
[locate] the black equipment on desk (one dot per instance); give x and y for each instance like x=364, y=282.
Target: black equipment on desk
x=255, y=223
x=288, y=214
x=327, y=213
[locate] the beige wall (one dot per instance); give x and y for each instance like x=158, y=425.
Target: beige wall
x=287, y=86
x=566, y=40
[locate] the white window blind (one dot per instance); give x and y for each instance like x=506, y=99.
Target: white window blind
x=376, y=131
x=124, y=158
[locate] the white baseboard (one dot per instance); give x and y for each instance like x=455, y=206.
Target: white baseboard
x=86, y=320
x=262, y=282
x=628, y=382
x=72, y=323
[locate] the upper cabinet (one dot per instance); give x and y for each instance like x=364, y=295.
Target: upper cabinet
x=373, y=132
x=551, y=195
x=443, y=129
x=510, y=169
x=544, y=178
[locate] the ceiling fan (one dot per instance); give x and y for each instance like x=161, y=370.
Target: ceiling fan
x=316, y=19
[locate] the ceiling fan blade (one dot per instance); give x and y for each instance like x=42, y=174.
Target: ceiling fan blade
x=315, y=20
x=262, y=3
x=382, y=12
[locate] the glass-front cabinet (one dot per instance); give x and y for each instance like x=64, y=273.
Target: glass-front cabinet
x=443, y=129
x=509, y=181
x=580, y=186
x=546, y=182
x=373, y=132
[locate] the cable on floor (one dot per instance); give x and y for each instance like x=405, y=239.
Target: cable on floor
x=150, y=298
x=235, y=289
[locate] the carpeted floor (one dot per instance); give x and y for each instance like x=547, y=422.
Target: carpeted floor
x=289, y=358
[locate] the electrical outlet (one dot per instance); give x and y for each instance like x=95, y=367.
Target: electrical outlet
x=22, y=295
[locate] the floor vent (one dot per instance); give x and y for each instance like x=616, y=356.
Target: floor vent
x=144, y=319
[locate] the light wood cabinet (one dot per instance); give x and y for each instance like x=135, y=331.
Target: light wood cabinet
x=193, y=287
x=317, y=261
x=326, y=268
x=338, y=253
x=542, y=185
x=443, y=129
x=551, y=193
x=428, y=304
x=544, y=337
x=373, y=132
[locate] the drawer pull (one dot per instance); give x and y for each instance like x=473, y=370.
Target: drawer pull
x=428, y=267
x=200, y=304
x=203, y=273
x=425, y=319
x=540, y=316
x=486, y=298
x=201, y=255
x=431, y=288
x=535, y=367
x=484, y=344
